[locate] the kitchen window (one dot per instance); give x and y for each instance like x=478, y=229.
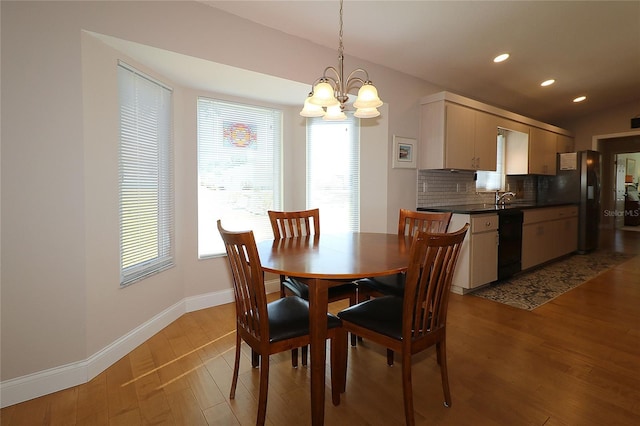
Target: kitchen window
x=145, y=176
x=239, y=173
x=333, y=172
x=494, y=181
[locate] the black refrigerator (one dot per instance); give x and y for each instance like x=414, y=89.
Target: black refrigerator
x=577, y=181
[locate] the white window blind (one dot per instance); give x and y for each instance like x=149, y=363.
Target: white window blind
x=333, y=172
x=145, y=176
x=239, y=179
x=493, y=181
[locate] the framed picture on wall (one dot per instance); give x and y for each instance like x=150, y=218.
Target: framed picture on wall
x=631, y=166
x=404, y=152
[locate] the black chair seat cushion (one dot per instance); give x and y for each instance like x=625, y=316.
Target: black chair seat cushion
x=289, y=317
x=381, y=314
x=392, y=285
x=300, y=289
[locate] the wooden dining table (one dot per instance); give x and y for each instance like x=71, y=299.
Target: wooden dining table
x=323, y=261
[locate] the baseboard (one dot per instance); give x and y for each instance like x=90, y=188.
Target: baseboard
x=41, y=383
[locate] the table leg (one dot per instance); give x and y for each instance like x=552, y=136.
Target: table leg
x=318, y=307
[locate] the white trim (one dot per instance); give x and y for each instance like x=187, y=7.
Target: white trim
x=106, y=357
x=41, y=383
x=595, y=139
x=202, y=301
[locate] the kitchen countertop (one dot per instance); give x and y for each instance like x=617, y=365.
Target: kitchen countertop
x=489, y=208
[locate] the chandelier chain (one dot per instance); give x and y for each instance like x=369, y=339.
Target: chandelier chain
x=340, y=45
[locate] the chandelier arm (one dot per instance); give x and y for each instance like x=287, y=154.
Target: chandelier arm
x=366, y=74
x=352, y=81
x=338, y=78
x=338, y=84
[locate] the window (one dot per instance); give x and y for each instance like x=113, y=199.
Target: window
x=239, y=176
x=333, y=172
x=494, y=181
x=145, y=176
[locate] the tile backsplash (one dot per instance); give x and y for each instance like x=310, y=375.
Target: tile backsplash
x=458, y=187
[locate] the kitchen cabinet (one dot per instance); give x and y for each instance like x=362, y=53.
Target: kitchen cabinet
x=542, y=152
x=478, y=261
x=486, y=141
x=548, y=233
x=537, y=154
x=505, y=123
x=461, y=133
x=564, y=144
x=454, y=136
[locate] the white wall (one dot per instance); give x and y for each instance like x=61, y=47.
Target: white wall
x=612, y=121
x=64, y=317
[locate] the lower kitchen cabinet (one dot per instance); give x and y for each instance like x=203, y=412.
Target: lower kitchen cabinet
x=548, y=233
x=478, y=261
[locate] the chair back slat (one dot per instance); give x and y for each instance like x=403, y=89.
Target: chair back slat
x=412, y=221
x=432, y=262
x=248, y=282
x=294, y=224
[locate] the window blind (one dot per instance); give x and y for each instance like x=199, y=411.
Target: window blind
x=333, y=172
x=239, y=170
x=145, y=176
x=494, y=181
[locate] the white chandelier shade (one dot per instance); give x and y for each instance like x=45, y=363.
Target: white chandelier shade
x=323, y=95
x=311, y=110
x=334, y=113
x=366, y=113
x=367, y=97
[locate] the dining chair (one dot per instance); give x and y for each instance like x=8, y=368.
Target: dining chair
x=273, y=327
x=409, y=223
x=416, y=321
x=287, y=224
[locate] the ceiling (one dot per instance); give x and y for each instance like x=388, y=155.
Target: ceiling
x=590, y=48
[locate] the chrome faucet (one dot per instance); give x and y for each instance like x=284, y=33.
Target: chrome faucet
x=501, y=199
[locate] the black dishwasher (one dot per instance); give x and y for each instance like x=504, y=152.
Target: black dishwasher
x=509, y=242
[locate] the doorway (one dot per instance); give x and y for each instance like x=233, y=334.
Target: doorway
x=615, y=149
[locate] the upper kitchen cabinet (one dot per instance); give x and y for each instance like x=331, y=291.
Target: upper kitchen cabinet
x=486, y=146
x=564, y=144
x=542, y=152
x=535, y=154
x=454, y=136
x=460, y=133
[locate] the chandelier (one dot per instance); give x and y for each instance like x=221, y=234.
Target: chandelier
x=330, y=93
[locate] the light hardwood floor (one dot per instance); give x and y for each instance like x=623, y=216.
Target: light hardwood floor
x=573, y=361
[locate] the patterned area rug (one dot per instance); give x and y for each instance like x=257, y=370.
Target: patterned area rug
x=531, y=289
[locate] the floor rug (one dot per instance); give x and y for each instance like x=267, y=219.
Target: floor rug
x=531, y=289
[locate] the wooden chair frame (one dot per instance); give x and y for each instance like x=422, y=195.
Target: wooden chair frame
x=409, y=222
x=433, y=258
x=288, y=224
x=252, y=324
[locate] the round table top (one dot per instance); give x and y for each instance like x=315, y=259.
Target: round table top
x=336, y=256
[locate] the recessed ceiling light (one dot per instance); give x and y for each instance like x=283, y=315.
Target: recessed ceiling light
x=500, y=58
x=579, y=99
x=547, y=82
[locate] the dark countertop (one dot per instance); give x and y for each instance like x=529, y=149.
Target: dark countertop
x=489, y=208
